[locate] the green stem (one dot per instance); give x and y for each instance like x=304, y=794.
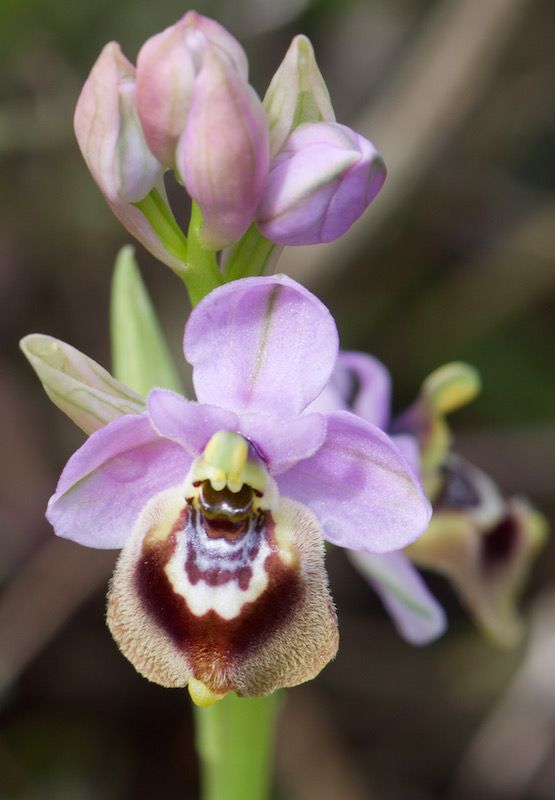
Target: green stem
x=234, y=742
x=202, y=261
x=158, y=213
x=200, y=273
x=250, y=256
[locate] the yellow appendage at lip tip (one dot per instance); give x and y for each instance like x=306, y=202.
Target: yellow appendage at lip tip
x=201, y=695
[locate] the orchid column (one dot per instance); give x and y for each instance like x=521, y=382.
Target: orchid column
x=221, y=504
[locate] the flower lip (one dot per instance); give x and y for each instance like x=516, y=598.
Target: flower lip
x=262, y=597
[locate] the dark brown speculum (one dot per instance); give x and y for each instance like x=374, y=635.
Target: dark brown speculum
x=224, y=506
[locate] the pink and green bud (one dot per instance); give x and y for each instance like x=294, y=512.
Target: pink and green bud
x=296, y=94
x=109, y=133
x=167, y=66
x=322, y=180
x=223, y=156
x=112, y=142
x=77, y=385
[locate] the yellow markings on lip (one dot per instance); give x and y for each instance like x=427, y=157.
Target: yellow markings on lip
x=288, y=553
x=201, y=695
x=161, y=529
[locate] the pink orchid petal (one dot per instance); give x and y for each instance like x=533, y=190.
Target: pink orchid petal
x=360, y=487
x=409, y=449
x=107, y=482
x=361, y=384
x=416, y=613
x=261, y=344
x=188, y=423
x=371, y=394
x=284, y=442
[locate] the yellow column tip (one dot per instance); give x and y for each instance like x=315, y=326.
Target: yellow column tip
x=201, y=695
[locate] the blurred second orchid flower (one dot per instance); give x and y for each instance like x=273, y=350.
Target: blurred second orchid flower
x=221, y=505
x=284, y=164
x=483, y=543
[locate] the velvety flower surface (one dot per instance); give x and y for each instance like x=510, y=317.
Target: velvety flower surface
x=221, y=504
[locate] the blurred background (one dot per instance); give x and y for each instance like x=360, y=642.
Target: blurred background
x=453, y=261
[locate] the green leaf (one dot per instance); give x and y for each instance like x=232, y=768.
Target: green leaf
x=140, y=355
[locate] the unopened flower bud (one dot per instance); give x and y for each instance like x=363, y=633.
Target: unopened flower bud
x=297, y=93
x=167, y=66
x=319, y=184
x=109, y=133
x=223, y=156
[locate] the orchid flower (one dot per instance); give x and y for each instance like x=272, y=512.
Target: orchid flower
x=221, y=505
x=482, y=542
x=361, y=384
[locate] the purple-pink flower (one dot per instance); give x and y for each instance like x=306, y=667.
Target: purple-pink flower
x=221, y=504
